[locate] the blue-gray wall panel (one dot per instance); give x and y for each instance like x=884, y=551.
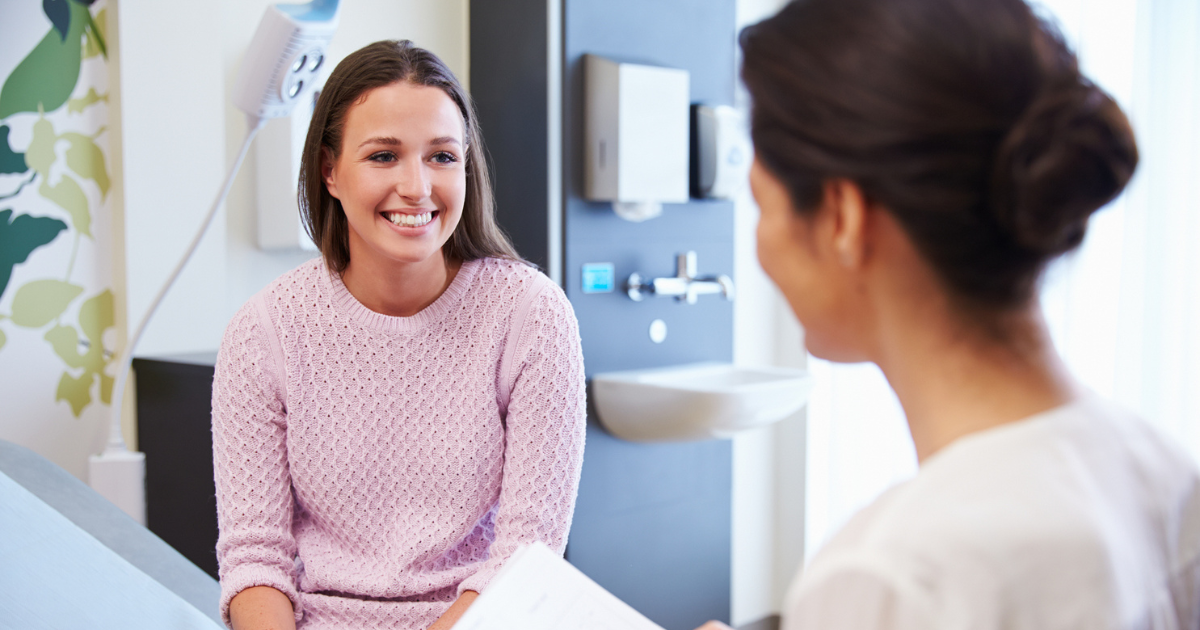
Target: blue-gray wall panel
x=653, y=521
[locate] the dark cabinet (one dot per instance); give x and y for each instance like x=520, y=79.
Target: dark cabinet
x=174, y=402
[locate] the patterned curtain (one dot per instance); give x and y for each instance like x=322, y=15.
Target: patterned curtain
x=57, y=334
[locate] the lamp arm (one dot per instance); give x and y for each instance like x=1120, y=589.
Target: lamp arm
x=116, y=441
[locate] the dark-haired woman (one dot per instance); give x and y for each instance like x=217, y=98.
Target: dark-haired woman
x=919, y=163
x=392, y=419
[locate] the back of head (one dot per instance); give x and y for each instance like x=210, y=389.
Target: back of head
x=968, y=120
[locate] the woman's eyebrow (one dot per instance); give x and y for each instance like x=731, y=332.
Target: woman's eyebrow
x=384, y=140
x=394, y=142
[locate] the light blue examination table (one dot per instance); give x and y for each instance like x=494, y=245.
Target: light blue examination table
x=70, y=559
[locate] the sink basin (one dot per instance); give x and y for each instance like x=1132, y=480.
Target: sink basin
x=696, y=401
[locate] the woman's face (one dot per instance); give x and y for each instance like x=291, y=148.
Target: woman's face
x=796, y=253
x=401, y=175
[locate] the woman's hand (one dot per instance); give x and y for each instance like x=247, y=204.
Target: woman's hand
x=261, y=608
x=456, y=610
x=714, y=625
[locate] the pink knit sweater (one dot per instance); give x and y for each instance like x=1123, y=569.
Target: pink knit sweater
x=372, y=468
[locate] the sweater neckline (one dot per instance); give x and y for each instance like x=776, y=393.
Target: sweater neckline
x=349, y=305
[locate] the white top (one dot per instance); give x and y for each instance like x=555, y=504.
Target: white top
x=1079, y=517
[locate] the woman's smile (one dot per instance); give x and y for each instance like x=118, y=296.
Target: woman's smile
x=411, y=222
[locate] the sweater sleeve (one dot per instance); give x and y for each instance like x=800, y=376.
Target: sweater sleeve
x=254, y=489
x=543, y=451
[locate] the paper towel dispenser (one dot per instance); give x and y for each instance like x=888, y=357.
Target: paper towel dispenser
x=637, y=135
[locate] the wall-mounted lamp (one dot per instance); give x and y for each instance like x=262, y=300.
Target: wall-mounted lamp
x=637, y=129
x=277, y=72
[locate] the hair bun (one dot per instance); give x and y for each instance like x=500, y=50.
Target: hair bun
x=1070, y=153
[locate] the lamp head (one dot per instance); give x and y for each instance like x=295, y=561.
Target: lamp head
x=285, y=57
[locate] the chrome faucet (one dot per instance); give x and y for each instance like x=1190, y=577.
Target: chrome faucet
x=685, y=286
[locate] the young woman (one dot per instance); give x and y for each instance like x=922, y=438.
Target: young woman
x=391, y=420
x=918, y=165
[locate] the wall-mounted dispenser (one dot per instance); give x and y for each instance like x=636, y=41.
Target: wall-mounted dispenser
x=636, y=132
x=721, y=152
x=280, y=145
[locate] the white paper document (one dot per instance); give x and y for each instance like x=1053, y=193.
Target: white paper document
x=538, y=590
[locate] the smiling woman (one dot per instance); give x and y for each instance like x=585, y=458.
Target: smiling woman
x=401, y=183
x=391, y=421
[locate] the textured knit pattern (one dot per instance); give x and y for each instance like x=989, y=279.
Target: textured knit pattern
x=372, y=468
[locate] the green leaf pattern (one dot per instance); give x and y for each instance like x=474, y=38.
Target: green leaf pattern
x=77, y=105
x=76, y=391
x=42, y=83
x=83, y=157
x=86, y=159
x=19, y=237
x=95, y=316
x=65, y=342
x=95, y=35
x=45, y=78
x=69, y=196
x=42, y=301
x=40, y=154
x=10, y=161
x=60, y=15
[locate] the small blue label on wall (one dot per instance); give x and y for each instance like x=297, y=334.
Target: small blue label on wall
x=598, y=277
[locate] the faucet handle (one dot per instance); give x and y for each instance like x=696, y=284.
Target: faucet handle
x=726, y=286
x=634, y=287
x=685, y=265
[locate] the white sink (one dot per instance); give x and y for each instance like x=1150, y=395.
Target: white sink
x=697, y=401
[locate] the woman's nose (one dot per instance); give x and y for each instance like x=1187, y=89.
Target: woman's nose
x=412, y=180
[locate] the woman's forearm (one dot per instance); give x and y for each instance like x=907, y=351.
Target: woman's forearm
x=262, y=608
x=452, y=614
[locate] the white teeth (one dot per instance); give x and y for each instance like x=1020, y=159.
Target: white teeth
x=409, y=220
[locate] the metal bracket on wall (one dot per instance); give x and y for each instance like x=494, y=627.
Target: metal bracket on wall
x=684, y=287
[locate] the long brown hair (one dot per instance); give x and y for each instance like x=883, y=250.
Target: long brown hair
x=373, y=66
x=967, y=120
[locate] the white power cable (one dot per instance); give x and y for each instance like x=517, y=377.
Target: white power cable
x=116, y=440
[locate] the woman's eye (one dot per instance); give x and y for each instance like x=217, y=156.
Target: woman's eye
x=444, y=157
x=382, y=156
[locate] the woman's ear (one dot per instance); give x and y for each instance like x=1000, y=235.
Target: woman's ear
x=849, y=214
x=327, y=173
